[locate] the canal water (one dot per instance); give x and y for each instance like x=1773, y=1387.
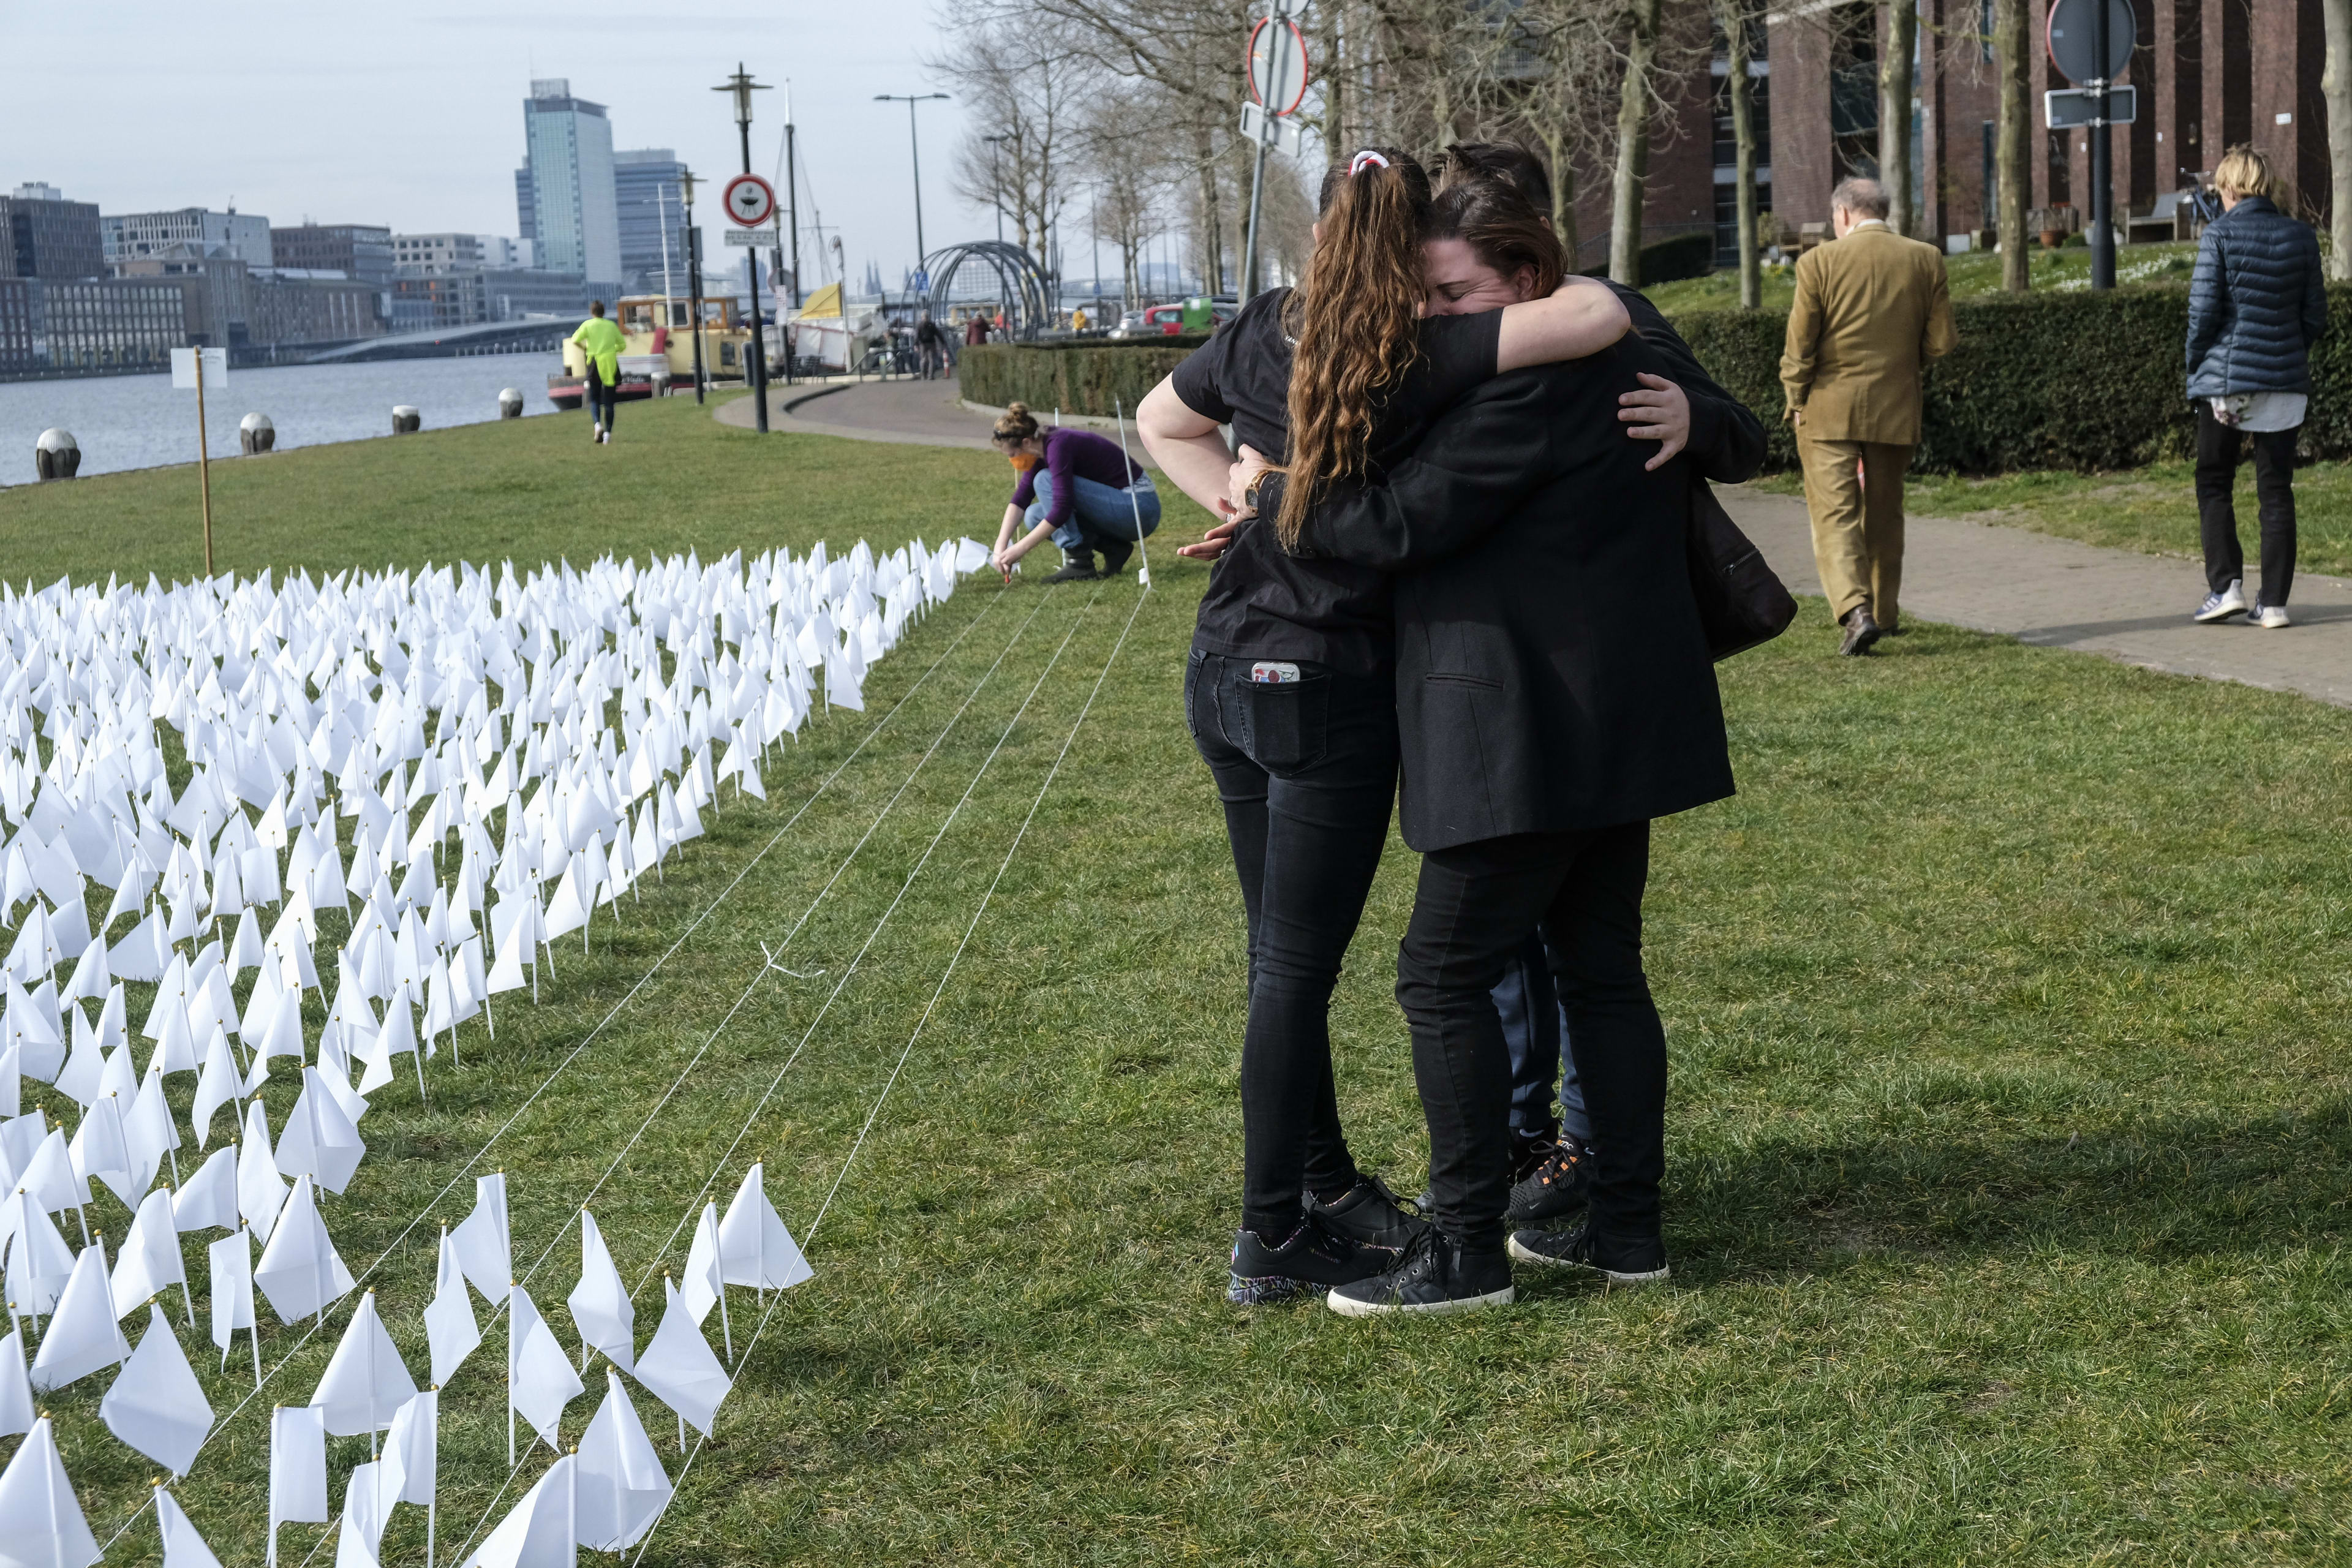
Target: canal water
x=140, y=422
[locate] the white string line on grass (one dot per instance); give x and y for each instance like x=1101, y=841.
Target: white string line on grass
x=312, y=1330
x=743, y=1362
x=694, y=1205
x=761, y=974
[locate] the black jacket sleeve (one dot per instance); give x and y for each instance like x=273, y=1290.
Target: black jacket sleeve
x=1727, y=439
x=1480, y=461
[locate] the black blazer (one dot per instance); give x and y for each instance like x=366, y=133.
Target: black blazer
x=1552, y=672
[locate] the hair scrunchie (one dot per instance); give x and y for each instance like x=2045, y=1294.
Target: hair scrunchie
x=1367, y=159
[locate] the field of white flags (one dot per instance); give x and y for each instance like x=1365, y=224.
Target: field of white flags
x=276, y=848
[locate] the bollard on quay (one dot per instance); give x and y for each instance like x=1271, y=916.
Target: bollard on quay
x=256, y=434
x=510, y=403
x=406, y=420
x=57, y=454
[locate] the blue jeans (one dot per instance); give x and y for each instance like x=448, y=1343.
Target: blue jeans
x=1099, y=515
x=1535, y=1031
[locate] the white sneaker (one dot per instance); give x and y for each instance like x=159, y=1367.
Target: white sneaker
x=2221, y=607
x=2270, y=617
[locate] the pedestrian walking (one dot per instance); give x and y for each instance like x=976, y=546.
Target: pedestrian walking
x=1872, y=309
x=600, y=343
x=2256, y=306
x=975, y=330
x=931, y=345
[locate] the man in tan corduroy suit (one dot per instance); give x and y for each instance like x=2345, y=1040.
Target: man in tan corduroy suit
x=1872, y=309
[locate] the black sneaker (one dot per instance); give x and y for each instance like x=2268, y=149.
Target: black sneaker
x=1620, y=1260
x=1314, y=1255
x=1078, y=566
x=1558, y=1185
x=1371, y=1214
x=1437, y=1276
x=1114, y=556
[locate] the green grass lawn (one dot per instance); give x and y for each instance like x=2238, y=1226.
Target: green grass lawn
x=1975, y=272
x=2009, y=1144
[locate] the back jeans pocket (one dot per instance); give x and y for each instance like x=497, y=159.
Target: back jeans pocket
x=1284, y=726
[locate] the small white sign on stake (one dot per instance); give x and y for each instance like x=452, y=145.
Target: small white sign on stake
x=184, y=368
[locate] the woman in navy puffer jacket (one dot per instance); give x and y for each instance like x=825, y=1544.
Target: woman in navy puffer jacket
x=2256, y=306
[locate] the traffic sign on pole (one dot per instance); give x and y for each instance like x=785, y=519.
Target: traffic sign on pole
x=2072, y=108
x=2071, y=38
x=749, y=201
x=1277, y=64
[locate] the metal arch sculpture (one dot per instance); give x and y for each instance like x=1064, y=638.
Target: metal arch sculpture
x=1021, y=282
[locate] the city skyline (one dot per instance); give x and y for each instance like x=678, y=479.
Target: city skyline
x=418, y=129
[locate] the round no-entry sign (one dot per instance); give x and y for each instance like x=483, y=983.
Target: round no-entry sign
x=749, y=200
x=1277, y=64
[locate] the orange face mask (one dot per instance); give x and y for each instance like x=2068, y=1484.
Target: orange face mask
x=1024, y=461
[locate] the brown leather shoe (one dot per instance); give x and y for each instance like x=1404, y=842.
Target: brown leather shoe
x=1861, y=632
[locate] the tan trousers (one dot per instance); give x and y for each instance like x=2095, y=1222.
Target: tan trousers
x=1857, y=521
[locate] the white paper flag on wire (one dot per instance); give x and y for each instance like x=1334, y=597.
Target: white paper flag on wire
x=483, y=1249
x=231, y=1264
x=703, y=1281
x=40, y=1517
x=16, y=1412
x=183, y=1547
x=622, y=1484
x=415, y=1441
x=539, y=1532
x=365, y=1383
x=368, y=1497
x=297, y=1468
x=82, y=1338
x=754, y=1247
x=299, y=1270
x=156, y=1405
x=538, y=1374
x=209, y=1198
x=260, y=1188
x=449, y=1327
x=678, y=1367
x=319, y=1140
x=151, y=1255
x=600, y=1302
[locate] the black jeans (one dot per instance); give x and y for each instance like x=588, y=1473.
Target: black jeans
x=1307, y=772
x=600, y=399
x=1476, y=905
x=2216, y=516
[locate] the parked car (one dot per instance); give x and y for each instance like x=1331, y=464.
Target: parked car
x=1167, y=321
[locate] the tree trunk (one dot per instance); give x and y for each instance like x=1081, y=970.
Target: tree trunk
x=1212, y=233
x=2335, y=88
x=1900, y=41
x=1630, y=186
x=1335, y=85
x=2010, y=54
x=1563, y=192
x=1743, y=142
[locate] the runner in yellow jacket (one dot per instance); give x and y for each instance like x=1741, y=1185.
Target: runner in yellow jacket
x=600, y=341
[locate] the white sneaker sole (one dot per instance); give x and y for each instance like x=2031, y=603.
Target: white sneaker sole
x=1348, y=1307
x=2277, y=625
x=1614, y=1277
x=2215, y=617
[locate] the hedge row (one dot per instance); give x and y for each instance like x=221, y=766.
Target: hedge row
x=2081, y=381
x=1098, y=376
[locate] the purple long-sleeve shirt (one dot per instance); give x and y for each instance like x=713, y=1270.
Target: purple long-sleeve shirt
x=1072, y=453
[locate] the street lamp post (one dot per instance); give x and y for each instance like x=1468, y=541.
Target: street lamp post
x=996, y=183
x=914, y=145
x=693, y=279
x=741, y=84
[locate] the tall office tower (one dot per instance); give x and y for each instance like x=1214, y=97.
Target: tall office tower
x=42, y=234
x=526, y=214
x=651, y=206
x=575, y=228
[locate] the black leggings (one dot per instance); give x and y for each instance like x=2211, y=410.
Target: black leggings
x=1307, y=772
x=2217, y=447
x=600, y=399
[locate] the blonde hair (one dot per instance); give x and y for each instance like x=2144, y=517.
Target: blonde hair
x=2243, y=172
x=1016, y=424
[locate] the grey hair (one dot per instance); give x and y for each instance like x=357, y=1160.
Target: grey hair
x=1863, y=198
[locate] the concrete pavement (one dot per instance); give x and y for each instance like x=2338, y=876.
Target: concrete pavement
x=2049, y=592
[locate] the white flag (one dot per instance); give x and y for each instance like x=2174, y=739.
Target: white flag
x=151, y=1255
x=539, y=1378
x=366, y=1382
x=450, y=1326
x=678, y=1368
x=209, y=1197
x=40, y=1517
x=83, y=1337
x=483, y=1250
x=156, y=1405
x=299, y=1270
x=231, y=1262
x=754, y=1247
x=183, y=1547
x=600, y=1302
x=539, y=1532
x=622, y=1484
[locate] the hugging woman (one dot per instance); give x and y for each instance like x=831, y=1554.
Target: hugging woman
x=1291, y=688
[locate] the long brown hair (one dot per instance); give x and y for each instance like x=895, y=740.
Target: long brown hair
x=1503, y=231
x=1354, y=320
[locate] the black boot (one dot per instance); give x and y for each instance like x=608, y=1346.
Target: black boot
x=1312, y=1255
x=1115, y=554
x=1437, y=1276
x=1078, y=566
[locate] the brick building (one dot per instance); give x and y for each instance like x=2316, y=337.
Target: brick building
x=2211, y=74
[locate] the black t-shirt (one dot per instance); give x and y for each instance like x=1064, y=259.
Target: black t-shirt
x=1262, y=603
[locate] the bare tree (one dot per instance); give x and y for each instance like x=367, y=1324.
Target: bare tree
x=2335, y=86
x=1897, y=47
x=1132, y=172
x=2011, y=46
x=1635, y=105
x=1738, y=18
x=1023, y=98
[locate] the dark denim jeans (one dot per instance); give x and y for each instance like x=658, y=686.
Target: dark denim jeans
x=1307, y=772
x=1476, y=905
x=1535, y=1032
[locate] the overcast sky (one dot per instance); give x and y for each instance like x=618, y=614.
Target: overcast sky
x=411, y=115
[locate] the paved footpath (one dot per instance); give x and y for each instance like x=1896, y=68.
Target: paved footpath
x=2049, y=592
